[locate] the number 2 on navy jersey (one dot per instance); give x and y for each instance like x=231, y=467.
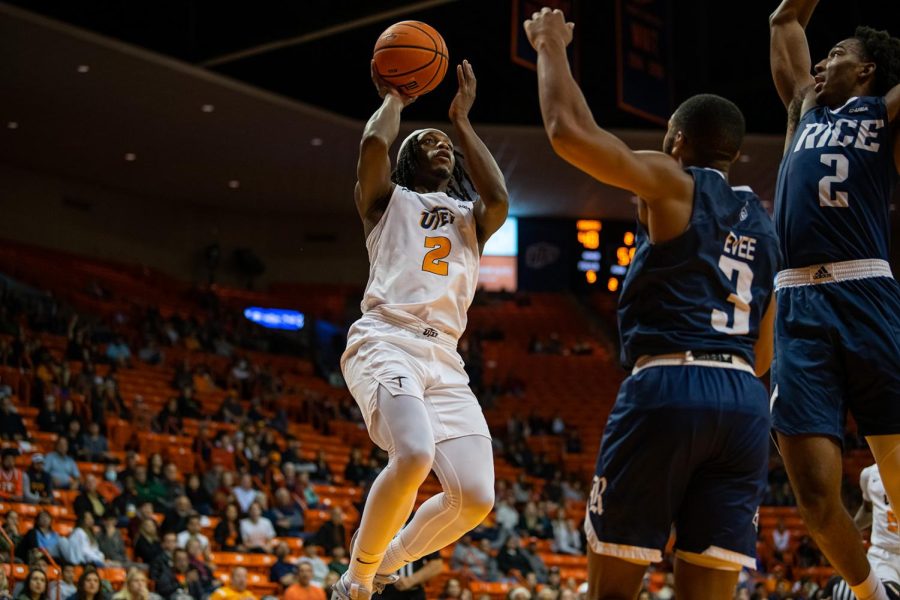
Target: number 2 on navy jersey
x=839, y=199
x=432, y=262
x=741, y=299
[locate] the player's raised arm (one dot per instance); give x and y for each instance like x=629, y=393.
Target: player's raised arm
x=576, y=137
x=789, y=56
x=373, y=171
x=486, y=176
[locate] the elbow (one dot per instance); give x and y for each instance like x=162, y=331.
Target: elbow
x=560, y=131
x=782, y=16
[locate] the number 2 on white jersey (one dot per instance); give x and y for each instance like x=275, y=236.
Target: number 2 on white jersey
x=840, y=199
x=741, y=300
x=432, y=262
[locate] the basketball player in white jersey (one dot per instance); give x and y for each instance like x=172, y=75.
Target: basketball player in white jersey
x=884, y=551
x=425, y=234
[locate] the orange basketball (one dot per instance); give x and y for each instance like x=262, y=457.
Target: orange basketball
x=412, y=57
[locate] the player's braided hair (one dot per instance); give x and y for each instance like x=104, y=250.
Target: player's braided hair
x=884, y=51
x=405, y=172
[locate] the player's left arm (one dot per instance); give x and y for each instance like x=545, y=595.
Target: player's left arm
x=764, y=347
x=892, y=101
x=491, y=210
x=429, y=570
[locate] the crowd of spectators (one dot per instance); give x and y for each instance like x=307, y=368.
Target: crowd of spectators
x=266, y=497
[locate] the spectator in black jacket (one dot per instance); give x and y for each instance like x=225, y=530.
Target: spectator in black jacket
x=511, y=558
x=90, y=500
x=331, y=534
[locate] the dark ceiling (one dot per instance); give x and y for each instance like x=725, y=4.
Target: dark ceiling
x=718, y=46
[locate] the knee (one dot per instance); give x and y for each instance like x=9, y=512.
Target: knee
x=414, y=460
x=817, y=503
x=476, y=502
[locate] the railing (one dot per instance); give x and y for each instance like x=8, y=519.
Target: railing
x=12, y=558
x=58, y=572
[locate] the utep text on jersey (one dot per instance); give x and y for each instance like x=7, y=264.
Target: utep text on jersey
x=834, y=185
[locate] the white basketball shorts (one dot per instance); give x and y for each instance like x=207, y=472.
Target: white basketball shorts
x=409, y=358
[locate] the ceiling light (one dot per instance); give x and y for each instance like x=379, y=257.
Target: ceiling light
x=234, y=184
x=316, y=141
x=130, y=156
x=207, y=108
x=83, y=68
x=745, y=158
x=13, y=124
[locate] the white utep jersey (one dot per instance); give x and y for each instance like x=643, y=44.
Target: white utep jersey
x=885, y=529
x=424, y=259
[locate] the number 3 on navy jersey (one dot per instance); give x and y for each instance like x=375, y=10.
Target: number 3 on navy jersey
x=432, y=261
x=741, y=300
x=841, y=167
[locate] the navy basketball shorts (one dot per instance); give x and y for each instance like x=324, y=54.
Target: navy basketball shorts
x=686, y=446
x=837, y=346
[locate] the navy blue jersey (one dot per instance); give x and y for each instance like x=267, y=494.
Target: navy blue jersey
x=707, y=289
x=835, y=184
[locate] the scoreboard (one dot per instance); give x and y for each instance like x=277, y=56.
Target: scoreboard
x=606, y=249
x=582, y=255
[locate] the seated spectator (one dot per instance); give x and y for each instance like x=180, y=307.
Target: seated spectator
x=164, y=571
x=566, y=537
x=306, y=492
x=781, y=539
x=172, y=486
x=283, y=572
x=453, y=590
x=135, y=587
x=110, y=541
x=151, y=353
x=286, y=514
x=193, y=532
x=357, y=470
x=538, y=568
x=126, y=503
x=236, y=588
x=534, y=522
x=203, y=445
x=155, y=466
x=312, y=559
x=200, y=560
x=332, y=533
x=176, y=518
x=94, y=446
x=228, y=532
x=118, y=353
x=35, y=586
x=304, y=588
x=340, y=562
x=39, y=536
x=511, y=562
x=82, y=547
x=11, y=529
x=322, y=474
x=74, y=435
x=144, y=511
x=168, y=420
x=246, y=494
x=89, y=587
x=12, y=427
x=147, y=546
x=90, y=500
x=257, y=532
x=49, y=418
x=230, y=410
x=14, y=483
x=806, y=554
x=61, y=467
x=471, y=560
x=65, y=586
x=39, y=481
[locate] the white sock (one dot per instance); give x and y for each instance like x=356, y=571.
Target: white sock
x=395, y=557
x=870, y=589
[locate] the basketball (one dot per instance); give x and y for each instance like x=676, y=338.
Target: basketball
x=411, y=56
